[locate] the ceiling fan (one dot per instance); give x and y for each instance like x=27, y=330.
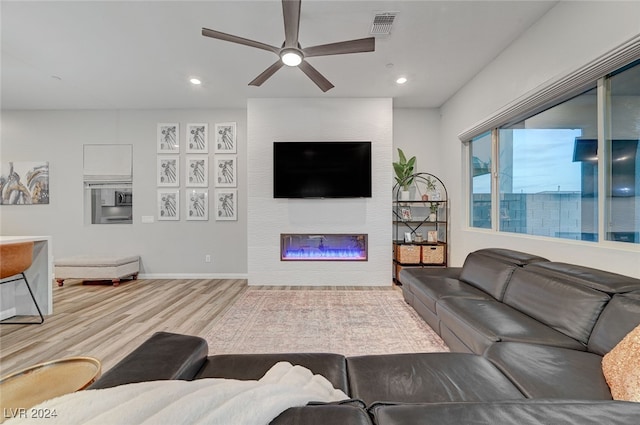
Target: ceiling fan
x=291, y=53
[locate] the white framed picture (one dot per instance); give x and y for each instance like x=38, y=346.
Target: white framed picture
x=226, y=170
x=168, y=138
x=197, y=138
x=197, y=171
x=168, y=171
x=226, y=204
x=225, y=137
x=168, y=204
x=405, y=212
x=197, y=202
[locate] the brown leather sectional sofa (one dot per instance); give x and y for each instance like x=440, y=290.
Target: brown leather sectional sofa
x=527, y=337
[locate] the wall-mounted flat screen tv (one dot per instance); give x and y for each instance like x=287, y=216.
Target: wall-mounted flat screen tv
x=322, y=169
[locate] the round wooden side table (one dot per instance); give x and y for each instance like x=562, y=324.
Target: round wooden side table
x=31, y=386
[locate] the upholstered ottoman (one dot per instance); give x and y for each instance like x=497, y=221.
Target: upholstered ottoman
x=85, y=267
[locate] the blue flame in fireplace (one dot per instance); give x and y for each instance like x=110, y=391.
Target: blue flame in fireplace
x=324, y=247
x=324, y=254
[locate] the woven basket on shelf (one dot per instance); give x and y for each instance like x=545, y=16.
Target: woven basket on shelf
x=408, y=254
x=433, y=254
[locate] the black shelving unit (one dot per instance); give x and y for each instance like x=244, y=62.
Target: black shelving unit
x=420, y=223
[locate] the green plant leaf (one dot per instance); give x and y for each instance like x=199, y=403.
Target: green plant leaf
x=399, y=171
x=403, y=158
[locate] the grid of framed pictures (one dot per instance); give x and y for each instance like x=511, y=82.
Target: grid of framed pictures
x=196, y=171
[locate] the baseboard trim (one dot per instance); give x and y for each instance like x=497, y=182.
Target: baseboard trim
x=5, y=314
x=193, y=276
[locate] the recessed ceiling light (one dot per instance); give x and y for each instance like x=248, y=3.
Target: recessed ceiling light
x=401, y=80
x=195, y=81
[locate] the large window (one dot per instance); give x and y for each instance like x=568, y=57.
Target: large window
x=546, y=187
x=623, y=156
x=547, y=166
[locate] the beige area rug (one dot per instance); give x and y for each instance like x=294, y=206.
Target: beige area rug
x=346, y=322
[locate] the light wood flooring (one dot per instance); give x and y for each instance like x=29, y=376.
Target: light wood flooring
x=108, y=322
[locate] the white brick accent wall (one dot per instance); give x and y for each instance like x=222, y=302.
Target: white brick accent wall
x=270, y=120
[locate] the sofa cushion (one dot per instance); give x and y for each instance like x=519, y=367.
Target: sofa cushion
x=619, y=317
x=593, y=278
x=517, y=258
x=431, y=290
x=411, y=276
x=322, y=414
x=163, y=356
x=566, y=307
x=427, y=377
x=254, y=366
x=542, y=371
x=527, y=412
x=487, y=274
x=621, y=367
x=480, y=323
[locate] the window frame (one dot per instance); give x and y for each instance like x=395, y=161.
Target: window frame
x=522, y=110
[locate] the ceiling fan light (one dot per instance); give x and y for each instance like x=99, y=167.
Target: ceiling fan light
x=291, y=57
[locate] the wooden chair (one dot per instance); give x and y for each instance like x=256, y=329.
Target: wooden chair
x=15, y=258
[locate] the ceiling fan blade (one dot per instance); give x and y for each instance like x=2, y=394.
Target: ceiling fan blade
x=352, y=46
x=266, y=74
x=235, y=39
x=291, y=14
x=315, y=76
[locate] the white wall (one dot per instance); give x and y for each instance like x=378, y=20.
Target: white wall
x=417, y=132
x=568, y=37
x=272, y=120
x=167, y=248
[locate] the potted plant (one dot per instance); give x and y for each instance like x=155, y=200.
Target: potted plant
x=404, y=173
x=433, y=192
x=433, y=207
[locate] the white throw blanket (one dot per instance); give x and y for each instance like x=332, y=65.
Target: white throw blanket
x=203, y=401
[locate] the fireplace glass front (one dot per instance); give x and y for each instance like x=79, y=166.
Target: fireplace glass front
x=323, y=247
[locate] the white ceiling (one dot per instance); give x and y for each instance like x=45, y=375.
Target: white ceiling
x=140, y=54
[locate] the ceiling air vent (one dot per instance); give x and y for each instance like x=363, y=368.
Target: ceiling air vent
x=382, y=22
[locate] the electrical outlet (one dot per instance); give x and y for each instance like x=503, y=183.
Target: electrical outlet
x=207, y=258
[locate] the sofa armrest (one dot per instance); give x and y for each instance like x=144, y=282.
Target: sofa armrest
x=163, y=356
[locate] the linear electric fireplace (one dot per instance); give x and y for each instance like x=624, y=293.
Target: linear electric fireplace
x=323, y=247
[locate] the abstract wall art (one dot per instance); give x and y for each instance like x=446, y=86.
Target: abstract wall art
x=168, y=170
x=225, y=170
x=168, y=138
x=226, y=204
x=225, y=137
x=197, y=171
x=197, y=204
x=197, y=138
x=169, y=204
x=24, y=183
